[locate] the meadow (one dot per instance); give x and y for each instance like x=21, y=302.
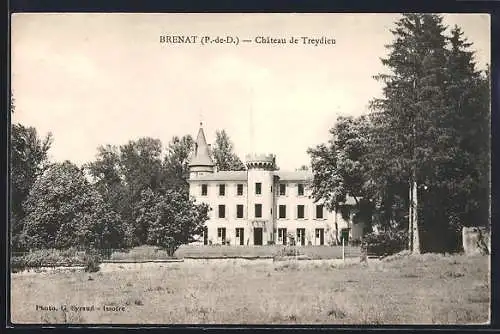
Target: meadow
x=424, y=289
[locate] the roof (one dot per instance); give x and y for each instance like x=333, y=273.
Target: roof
x=201, y=155
x=294, y=176
x=223, y=176
x=242, y=176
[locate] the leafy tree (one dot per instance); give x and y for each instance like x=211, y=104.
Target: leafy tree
x=28, y=161
x=122, y=173
x=338, y=166
x=222, y=151
x=172, y=219
x=141, y=165
x=64, y=210
x=176, y=162
x=106, y=172
x=431, y=126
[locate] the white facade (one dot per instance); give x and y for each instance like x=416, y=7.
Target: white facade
x=261, y=206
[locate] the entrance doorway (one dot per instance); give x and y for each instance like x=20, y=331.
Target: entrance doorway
x=240, y=236
x=257, y=236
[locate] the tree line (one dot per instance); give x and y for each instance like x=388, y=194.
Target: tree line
x=431, y=127
x=129, y=195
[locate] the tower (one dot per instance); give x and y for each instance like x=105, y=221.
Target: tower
x=261, y=199
x=201, y=161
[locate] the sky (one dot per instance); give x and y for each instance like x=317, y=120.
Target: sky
x=97, y=79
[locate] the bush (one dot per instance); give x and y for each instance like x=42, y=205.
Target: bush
x=17, y=263
x=46, y=257
x=384, y=243
x=92, y=261
x=355, y=242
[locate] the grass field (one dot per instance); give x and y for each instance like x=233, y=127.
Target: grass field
x=427, y=289
x=312, y=252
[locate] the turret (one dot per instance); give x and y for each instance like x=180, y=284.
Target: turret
x=201, y=161
x=261, y=202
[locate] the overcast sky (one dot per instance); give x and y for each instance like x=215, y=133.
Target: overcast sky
x=96, y=79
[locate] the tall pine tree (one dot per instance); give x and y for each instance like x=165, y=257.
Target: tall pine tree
x=407, y=118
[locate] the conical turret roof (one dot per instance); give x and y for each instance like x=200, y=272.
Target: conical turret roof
x=201, y=155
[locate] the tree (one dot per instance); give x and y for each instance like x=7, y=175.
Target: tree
x=28, y=161
x=412, y=109
x=172, y=219
x=461, y=195
x=225, y=158
x=141, y=165
x=426, y=128
x=176, y=162
x=340, y=168
x=121, y=174
x=106, y=173
x=64, y=210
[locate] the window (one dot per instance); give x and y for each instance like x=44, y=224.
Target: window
x=222, y=190
x=282, y=236
x=301, y=236
x=320, y=237
x=300, y=189
x=239, y=190
x=222, y=211
x=258, y=188
x=282, y=189
x=241, y=236
x=204, y=190
x=258, y=210
x=319, y=211
x=300, y=211
x=282, y=213
x=239, y=211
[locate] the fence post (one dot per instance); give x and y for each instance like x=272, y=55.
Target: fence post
x=343, y=250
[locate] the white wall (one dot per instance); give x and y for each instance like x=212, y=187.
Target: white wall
x=310, y=223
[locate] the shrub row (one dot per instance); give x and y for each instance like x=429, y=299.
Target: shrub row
x=384, y=243
x=54, y=257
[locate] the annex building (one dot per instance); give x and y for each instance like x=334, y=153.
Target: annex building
x=263, y=205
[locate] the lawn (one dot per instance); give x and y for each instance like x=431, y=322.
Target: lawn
x=426, y=289
x=312, y=252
